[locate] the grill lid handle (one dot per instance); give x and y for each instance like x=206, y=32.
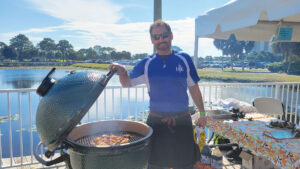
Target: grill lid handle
x=46, y=84
x=108, y=76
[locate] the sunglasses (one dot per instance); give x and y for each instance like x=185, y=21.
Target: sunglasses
x=163, y=35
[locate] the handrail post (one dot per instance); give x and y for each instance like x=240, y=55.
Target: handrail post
x=277, y=91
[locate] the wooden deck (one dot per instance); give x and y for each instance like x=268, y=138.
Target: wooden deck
x=27, y=159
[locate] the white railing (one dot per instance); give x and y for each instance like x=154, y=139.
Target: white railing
x=18, y=136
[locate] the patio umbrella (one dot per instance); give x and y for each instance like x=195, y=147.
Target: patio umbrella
x=251, y=20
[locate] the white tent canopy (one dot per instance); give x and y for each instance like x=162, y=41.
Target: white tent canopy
x=249, y=20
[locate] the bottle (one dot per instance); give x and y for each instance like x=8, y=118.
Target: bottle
x=199, y=134
x=216, y=159
x=206, y=155
x=200, y=137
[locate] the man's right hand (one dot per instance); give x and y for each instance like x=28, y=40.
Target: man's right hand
x=122, y=72
x=120, y=69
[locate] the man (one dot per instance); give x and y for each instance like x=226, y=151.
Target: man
x=167, y=75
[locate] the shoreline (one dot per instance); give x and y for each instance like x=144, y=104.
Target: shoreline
x=41, y=67
x=254, y=76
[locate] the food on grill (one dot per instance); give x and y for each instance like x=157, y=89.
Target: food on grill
x=110, y=140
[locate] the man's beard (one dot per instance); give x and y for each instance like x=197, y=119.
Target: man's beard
x=166, y=47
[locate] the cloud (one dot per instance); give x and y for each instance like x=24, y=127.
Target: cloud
x=184, y=37
x=80, y=10
x=5, y=37
x=132, y=37
x=41, y=30
x=93, y=22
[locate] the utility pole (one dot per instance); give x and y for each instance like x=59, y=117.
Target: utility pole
x=157, y=10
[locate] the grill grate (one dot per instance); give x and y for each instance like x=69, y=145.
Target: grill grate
x=86, y=140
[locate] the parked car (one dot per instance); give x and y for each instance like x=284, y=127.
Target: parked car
x=256, y=65
x=88, y=61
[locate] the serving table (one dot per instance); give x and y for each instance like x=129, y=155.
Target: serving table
x=250, y=135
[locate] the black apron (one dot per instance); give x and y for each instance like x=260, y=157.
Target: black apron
x=173, y=146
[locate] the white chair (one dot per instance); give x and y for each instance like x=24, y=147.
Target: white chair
x=267, y=105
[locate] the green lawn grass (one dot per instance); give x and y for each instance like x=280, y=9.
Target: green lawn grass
x=246, y=70
x=92, y=66
x=95, y=66
x=247, y=76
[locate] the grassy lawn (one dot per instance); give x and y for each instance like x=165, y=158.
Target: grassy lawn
x=252, y=75
x=95, y=66
x=248, y=75
x=237, y=69
x=92, y=66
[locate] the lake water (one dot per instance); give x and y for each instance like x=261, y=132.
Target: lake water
x=31, y=78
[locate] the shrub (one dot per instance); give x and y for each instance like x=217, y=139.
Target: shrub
x=276, y=67
x=295, y=68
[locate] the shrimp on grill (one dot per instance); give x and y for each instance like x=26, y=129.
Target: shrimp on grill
x=109, y=140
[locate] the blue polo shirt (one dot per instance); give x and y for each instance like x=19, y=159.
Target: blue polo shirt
x=167, y=81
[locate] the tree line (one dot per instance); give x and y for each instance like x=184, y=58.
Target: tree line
x=21, y=48
x=240, y=50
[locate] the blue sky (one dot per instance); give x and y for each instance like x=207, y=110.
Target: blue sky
x=122, y=24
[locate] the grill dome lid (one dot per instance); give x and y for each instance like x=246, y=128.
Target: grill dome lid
x=64, y=103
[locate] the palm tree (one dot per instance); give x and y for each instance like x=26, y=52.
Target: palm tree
x=221, y=45
x=247, y=47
